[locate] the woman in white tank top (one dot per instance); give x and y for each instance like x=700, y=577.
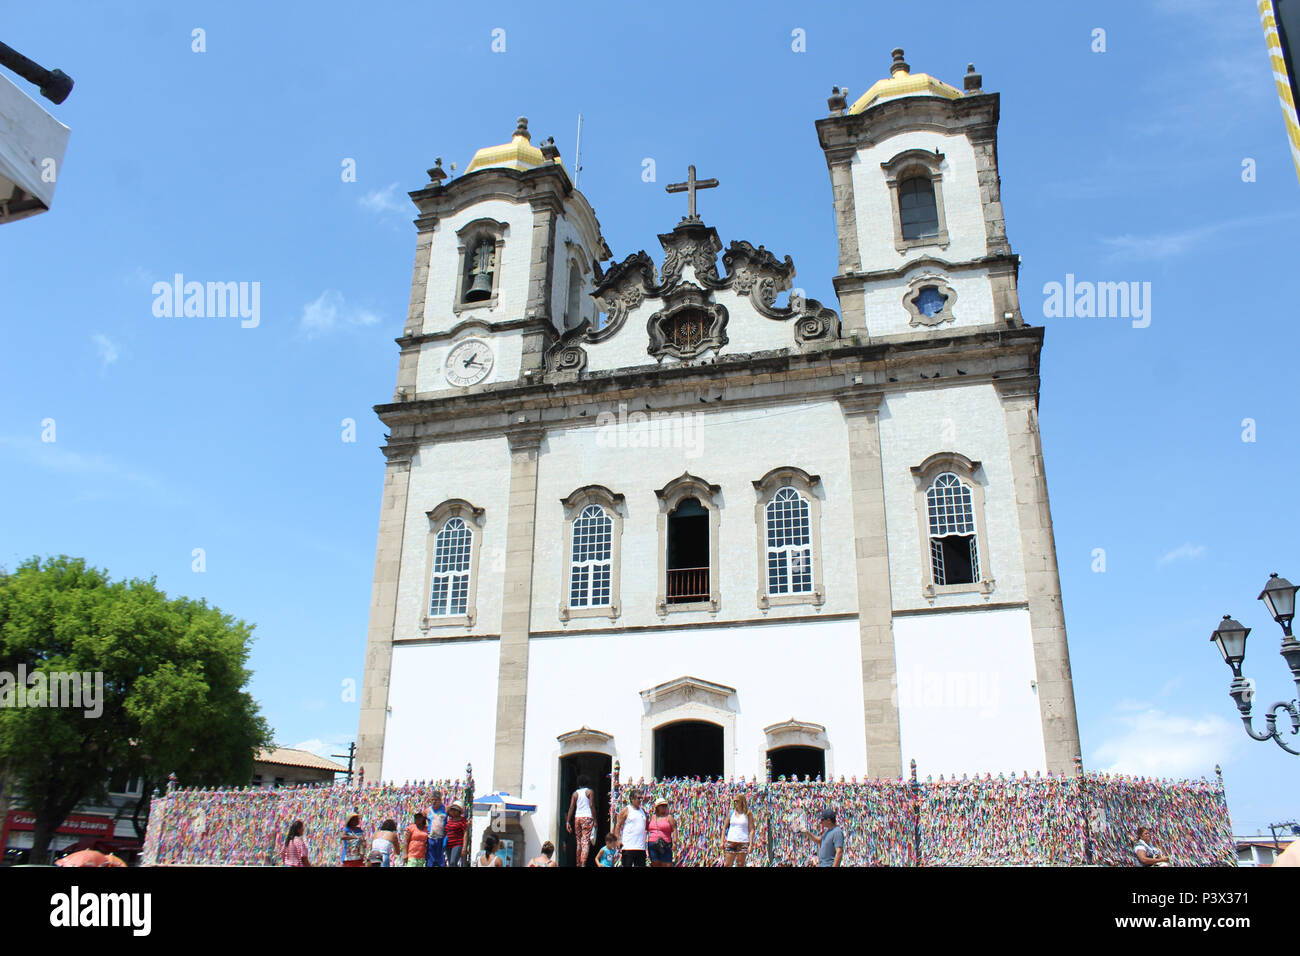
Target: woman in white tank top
x=581, y=821
x=740, y=831
x=630, y=831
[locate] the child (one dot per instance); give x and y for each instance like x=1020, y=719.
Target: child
x=609, y=855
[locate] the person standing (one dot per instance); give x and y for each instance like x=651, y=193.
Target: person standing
x=581, y=820
x=608, y=855
x=630, y=829
x=436, y=852
x=547, y=857
x=489, y=855
x=456, y=827
x=294, y=852
x=416, y=841
x=1147, y=854
x=659, y=835
x=352, y=837
x=830, y=842
x=383, y=848
x=740, y=831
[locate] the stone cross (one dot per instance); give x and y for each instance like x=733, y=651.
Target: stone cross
x=689, y=188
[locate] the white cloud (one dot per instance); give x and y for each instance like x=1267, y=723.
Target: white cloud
x=1152, y=742
x=53, y=456
x=1165, y=245
x=108, y=353
x=385, y=200
x=1187, y=552
x=325, y=748
x=330, y=313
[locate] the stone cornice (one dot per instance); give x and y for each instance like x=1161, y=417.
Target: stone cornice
x=921, y=360
x=992, y=263
x=542, y=187
x=509, y=325
x=848, y=133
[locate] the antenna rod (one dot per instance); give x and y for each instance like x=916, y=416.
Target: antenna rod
x=577, y=155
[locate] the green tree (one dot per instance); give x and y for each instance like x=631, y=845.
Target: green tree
x=174, y=699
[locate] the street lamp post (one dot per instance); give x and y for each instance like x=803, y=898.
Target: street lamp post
x=1230, y=636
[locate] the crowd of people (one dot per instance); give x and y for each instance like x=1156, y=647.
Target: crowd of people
x=638, y=837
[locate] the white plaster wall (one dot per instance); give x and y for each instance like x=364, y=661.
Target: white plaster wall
x=887, y=315
x=730, y=448
x=477, y=471
x=443, y=700
x=969, y=420
x=809, y=670
x=444, y=257
x=966, y=694
x=963, y=207
x=748, y=330
x=507, y=350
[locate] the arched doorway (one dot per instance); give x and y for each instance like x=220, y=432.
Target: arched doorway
x=798, y=762
x=688, y=748
x=597, y=768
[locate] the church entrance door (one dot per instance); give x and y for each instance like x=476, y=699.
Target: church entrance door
x=797, y=761
x=688, y=748
x=597, y=768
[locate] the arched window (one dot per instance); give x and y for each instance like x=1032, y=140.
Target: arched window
x=915, y=181
x=589, y=583
x=573, y=309
x=593, y=558
x=917, y=211
x=688, y=545
x=789, y=544
x=480, y=245
x=449, y=586
x=787, y=517
x=954, y=545
x=479, y=268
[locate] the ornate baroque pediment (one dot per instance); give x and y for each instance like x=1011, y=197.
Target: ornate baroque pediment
x=689, y=327
x=676, y=330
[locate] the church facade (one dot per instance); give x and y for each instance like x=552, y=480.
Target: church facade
x=667, y=511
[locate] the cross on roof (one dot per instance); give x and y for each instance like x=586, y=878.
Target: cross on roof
x=689, y=188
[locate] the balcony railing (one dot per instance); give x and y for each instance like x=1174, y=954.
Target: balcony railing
x=686, y=585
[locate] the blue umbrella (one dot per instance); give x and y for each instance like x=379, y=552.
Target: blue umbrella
x=502, y=801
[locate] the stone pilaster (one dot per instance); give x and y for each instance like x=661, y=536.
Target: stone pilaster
x=1042, y=582
x=383, y=612
x=541, y=282
x=875, y=604
x=420, y=277
x=853, y=315
x=512, y=679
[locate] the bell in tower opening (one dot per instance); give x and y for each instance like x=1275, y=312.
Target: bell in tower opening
x=480, y=272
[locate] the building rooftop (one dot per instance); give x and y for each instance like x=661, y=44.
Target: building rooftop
x=288, y=757
x=902, y=82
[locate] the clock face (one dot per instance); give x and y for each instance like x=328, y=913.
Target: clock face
x=469, y=363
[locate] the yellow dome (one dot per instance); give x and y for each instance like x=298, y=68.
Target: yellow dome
x=519, y=153
x=903, y=83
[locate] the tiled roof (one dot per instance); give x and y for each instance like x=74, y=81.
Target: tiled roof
x=288, y=757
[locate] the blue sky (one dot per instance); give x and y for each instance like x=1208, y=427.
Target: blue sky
x=1123, y=165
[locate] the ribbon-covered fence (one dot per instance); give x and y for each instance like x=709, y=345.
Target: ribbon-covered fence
x=983, y=821
x=248, y=827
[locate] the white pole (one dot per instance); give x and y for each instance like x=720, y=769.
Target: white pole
x=577, y=155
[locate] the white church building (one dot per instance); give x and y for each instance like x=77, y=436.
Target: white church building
x=664, y=510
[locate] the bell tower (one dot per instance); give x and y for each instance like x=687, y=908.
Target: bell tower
x=505, y=260
x=918, y=209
